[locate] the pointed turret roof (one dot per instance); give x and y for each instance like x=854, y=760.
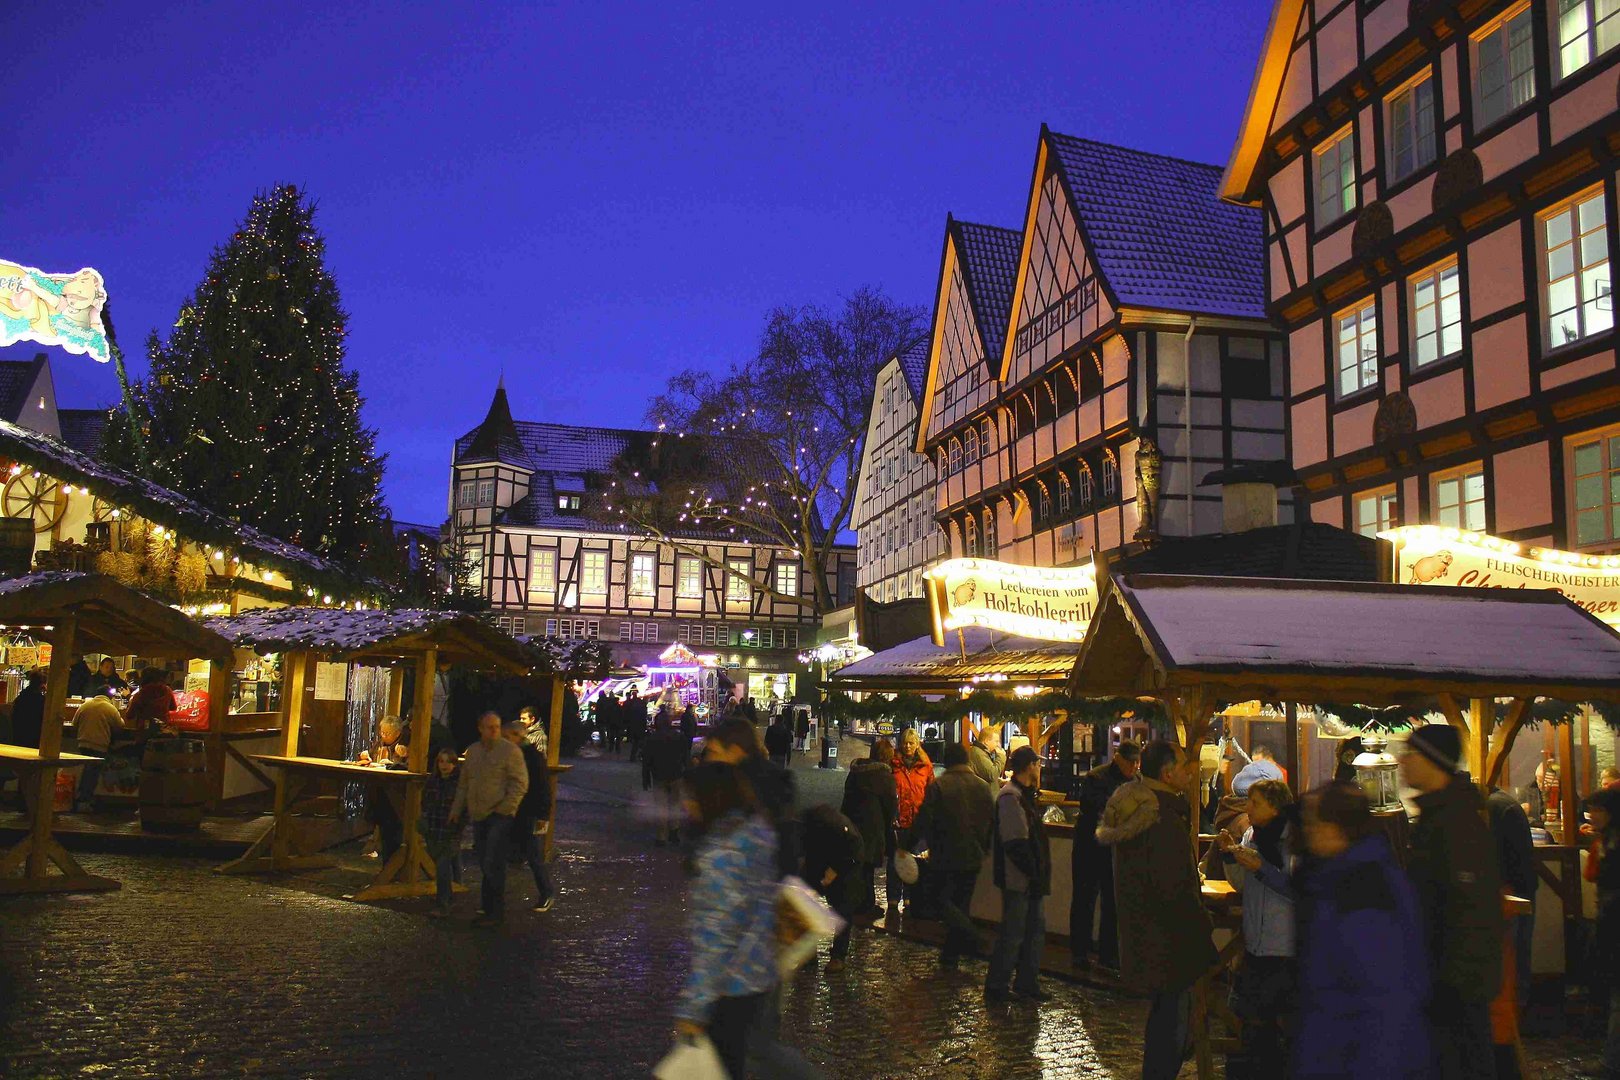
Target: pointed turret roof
x=496, y=439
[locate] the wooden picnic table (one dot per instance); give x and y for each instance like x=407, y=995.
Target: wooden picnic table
x=30, y=762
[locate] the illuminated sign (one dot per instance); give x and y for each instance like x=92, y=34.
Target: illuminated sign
x=1031, y=601
x=1435, y=555
x=53, y=309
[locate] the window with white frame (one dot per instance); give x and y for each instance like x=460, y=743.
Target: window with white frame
x=1585, y=29
x=1504, y=59
x=1459, y=499
x=486, y=493
x=1436, y=296
x=1088, y=489
x=688, y=577
x=1336, y=177
x=1594, y=468
x=643, y=573
x=1110, y=475
x=1575, y=266
x=1409, y=122
x=593, y=572
x=956, y=456
x=1358, y=347
x=972, y=537
x=475, y=567
x=542, y=570
x=970, y=446
x=787, y=578
x=568, y=503
x=467, y=493
x=989, y=532
x=1065, y=496
x=739, y=580
x=519, y=625
x=1375, y=511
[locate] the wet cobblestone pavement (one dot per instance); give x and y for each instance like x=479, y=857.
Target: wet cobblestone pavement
x=185, y=973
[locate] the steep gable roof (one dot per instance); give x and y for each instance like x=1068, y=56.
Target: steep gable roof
x=1237, y=182
x=17, y=378
x=1159, y=232
x=82, y=428
x=989, y=261
x=913, y=360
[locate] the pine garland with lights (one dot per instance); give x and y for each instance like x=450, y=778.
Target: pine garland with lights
x=249, y=408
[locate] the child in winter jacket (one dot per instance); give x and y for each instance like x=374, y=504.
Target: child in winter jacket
x=441, y=834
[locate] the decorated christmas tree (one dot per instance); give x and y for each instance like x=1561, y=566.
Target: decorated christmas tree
x=248, y=407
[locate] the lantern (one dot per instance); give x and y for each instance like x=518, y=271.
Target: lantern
x=1377, y=774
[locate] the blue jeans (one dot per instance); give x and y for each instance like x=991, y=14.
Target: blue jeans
x=1164, y=1043
x=89, y=777
x=1019, y=943
x=531, y=847
x=489, y=841
x=444, y=876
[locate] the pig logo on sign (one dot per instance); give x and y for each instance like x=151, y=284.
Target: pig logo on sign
x=1431, y=568
x=963, y=593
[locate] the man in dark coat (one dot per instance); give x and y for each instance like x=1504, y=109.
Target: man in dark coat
x=1453, y=866
x=28, y=711
x=535, y=808
x=779, y=741
x=1165, y=935
x=872, y=802
x=664, y=759
x=957, y=815
x=832, y=849
x=1516, y=859
x=1092, y=865
x=1023, y=871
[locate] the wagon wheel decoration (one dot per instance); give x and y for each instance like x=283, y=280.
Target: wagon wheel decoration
x=100, y=510
x=31, y=495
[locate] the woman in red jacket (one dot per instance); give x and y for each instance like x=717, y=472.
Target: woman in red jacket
x=913, y=772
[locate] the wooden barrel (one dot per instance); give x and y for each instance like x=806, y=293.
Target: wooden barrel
x=174, y=784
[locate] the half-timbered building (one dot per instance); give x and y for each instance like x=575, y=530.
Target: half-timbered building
x=1438, y=183
x=1059, y=409
x=894, y=496
x=526, y=512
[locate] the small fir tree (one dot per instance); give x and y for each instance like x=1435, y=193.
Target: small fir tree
x=249, y=408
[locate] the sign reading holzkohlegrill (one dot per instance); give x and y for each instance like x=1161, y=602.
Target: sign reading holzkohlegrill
x=1030, y=601
x=1436, y=555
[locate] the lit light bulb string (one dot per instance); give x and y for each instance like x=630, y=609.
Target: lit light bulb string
x=215, y=553
x=1446, y=534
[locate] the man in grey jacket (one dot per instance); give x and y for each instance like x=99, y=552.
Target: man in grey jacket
x=957, y=814
x=494, y=780
x=1023, y=869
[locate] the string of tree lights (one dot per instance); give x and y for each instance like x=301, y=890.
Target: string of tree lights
x=770, y=450
x=248, y=406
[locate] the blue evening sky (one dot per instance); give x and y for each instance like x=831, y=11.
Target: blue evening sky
x=584, y=196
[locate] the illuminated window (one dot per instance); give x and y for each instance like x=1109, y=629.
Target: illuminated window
x=1436, y=313
x=568, y=503
x=1375, y=512
x=1575, y=267
x=739, y=588
x=593, y=572
x=1358, y=347
x=1409, y=120
x=787, y=578
x=643, y=573
x=1336, y=177
x=688, y=577
x=1586, y=28
x=1504, y=57
x=542, y=571
x=990, y=532
x=1459, y=499
x=475, y=567
x=1595, y=479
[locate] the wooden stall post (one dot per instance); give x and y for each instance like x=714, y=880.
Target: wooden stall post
x=219, y=689
x=417, y=864
x=1568, y=797
x=1291, y=760
x=294, y=679
x=553, y=758
x=1506, y=736
x=50, y=745
x=396, y=692
x=1481, y=720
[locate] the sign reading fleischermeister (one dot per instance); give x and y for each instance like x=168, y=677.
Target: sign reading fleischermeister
x=1434, y=555
x=1031, y=601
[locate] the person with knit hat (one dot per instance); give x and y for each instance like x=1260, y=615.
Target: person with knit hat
x=1453, y=867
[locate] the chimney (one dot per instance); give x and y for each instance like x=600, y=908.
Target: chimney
x=1249, y=494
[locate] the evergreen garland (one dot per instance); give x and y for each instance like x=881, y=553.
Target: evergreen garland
x=248, y=407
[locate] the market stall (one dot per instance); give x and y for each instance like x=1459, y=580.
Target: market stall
x=1197, y=642
x=312, y=643
x=75, y=613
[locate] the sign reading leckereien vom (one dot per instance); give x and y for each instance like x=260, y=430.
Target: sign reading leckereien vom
x=1054, y=604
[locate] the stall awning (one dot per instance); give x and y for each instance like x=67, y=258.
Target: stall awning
x=922, y=667
x=1343, y=641
x=376, y=635
x=111, y=617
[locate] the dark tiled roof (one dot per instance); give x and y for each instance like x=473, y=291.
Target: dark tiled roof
x=1160, y=233
x=556, y=448
x=914, y=366
x=990, y=268
x=935, y=667
x=82, y=428
x=496, y=439
x=16, y=379
x=1304, y=551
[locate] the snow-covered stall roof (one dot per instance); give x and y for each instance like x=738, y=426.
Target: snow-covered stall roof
x=374, y=634
x=1361, y=641
x=109, y=617
x=922, y=666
